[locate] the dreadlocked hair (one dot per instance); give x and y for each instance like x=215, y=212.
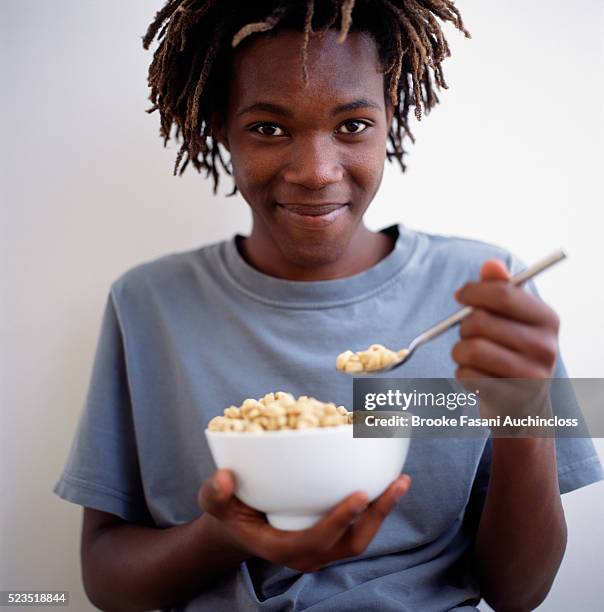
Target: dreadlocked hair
x=189, y=73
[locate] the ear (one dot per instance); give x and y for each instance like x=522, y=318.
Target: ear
x=219, y=131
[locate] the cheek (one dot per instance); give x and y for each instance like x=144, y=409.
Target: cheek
x=253, y=168
x=366, y=166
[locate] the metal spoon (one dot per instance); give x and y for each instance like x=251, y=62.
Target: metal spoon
x=457, y=317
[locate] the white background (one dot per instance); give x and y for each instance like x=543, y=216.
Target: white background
x=511, y=156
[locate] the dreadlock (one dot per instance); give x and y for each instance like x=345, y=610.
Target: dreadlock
x=189, y=73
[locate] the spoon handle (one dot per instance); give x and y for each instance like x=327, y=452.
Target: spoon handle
x=458, y=316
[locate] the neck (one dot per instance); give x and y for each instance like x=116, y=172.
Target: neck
x=364, y=250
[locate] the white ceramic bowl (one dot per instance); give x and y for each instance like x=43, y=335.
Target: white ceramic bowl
x=296, y=476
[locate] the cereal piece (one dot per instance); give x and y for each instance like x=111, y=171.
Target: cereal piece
x=237, y=425
x=343, y=359
x=349, y=362
x=249, y=405
x=263, y=420
x=354, y=366
x=217, y=423
x=330, y=409
x=272, y=424
x=285, y=399
x=294, y=409
x=308, y=420
x=232, y=412
x=330, y=420
x=274, y=409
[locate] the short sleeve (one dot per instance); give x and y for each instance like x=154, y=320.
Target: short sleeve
x=102, y=469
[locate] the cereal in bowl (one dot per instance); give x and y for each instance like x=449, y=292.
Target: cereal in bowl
x=280, y=410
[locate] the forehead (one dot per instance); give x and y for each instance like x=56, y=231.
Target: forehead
x=269, y=68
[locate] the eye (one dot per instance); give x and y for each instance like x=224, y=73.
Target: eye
x=355, y=122
x=269, y=126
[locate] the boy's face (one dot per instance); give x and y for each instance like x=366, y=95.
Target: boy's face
x=310, y=171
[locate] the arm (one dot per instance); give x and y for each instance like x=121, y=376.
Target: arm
x=522, y=533
x=521, y=537
x=129, y=567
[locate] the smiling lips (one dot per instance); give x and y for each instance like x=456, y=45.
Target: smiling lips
x=312, y=210
x=311, y=216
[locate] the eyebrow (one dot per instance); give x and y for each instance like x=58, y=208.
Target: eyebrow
x=277, y=109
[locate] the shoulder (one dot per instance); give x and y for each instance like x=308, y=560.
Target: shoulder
x=461, y=249
x=449, y=253
x=170, y=274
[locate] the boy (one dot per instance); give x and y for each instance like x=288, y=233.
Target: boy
x=305, y=97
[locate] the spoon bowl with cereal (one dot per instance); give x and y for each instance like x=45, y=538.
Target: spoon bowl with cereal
x=378, y=359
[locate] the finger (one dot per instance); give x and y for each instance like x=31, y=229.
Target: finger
x=326, y=532
x=471, y=378
x=496, y=360
x=217, y=492
x=279, y=546
x=508, y=300
x=360, y=534
x=464, y=373
x=525, y=339
x=494, y=269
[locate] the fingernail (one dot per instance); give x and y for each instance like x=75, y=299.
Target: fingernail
x=360, y=506
x=359, y=510
x=457, y=295
x=215, y=486
x=399, y=488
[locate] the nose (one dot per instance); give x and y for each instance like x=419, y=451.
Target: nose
x=314, y=163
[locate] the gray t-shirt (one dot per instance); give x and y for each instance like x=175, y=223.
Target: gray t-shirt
x=188, y=334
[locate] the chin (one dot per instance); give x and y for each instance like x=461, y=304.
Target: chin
x=312, y=253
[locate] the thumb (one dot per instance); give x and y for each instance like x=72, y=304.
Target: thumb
x=217, y=492
x=494, y=269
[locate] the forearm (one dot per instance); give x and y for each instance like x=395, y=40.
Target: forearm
x=522, y=533
x=130, y=567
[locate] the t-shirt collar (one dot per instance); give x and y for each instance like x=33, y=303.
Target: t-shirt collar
x=281, y=292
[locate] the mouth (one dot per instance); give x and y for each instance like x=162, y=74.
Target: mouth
x=312, y=210
x=311, y=216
